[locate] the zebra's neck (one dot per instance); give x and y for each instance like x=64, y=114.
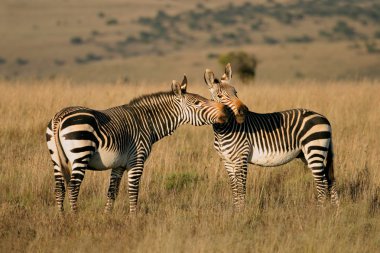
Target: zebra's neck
x=160, y=112
x=226, y=127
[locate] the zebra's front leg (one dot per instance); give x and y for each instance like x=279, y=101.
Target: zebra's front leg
x=241, y=176
x=134, y=175
x=76, y=179
x=113, y=189
x=231, y=171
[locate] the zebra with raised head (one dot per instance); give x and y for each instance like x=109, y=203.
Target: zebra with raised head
x=270, y=139
x=120, y=138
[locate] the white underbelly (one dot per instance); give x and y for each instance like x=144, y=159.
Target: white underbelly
x=272, y=159
x=105, y=159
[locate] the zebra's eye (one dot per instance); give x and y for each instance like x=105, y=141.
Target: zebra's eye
x=198, y=103
x=219, y=96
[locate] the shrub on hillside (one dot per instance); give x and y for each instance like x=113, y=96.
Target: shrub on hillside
x=243, y=64
x=270, y=40
x=90, y=57
x=112, y=21
x=377, y=34
x=371, y=47
x=101, y=14
x=76, y=40
x=59, y=62
x=21, y=61
x=300, y=39
x=342, y=28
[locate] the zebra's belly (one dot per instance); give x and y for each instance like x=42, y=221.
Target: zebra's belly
x=105, y=159
x=272, y=159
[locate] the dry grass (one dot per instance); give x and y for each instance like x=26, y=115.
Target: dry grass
x=185, y=200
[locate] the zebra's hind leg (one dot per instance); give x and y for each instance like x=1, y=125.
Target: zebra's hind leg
x=316, y=157
x=59, y=188
x=321, y=184
x=134, y=175
x=113, y=189
x=76, y=179
x=59, y=191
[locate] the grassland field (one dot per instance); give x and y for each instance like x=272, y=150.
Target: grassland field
x=320, y=55
x=185, y=202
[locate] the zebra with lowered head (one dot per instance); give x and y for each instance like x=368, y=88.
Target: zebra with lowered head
x=270, y=139
x=120, y=138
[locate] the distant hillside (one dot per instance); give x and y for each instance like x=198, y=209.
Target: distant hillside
x=253, y=24
x=73, y=39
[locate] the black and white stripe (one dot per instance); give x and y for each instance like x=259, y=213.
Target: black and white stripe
x=271, y=139
x=120, y=138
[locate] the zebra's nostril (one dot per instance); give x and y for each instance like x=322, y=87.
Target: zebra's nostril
x=243, y=110
x=223, y=119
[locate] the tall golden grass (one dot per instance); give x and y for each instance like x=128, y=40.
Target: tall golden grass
x=185, y=202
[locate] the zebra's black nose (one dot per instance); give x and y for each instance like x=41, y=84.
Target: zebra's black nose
x=243, y=110
x=223, y=117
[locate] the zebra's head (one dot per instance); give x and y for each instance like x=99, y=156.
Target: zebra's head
x=197, y=110
x=222, y=91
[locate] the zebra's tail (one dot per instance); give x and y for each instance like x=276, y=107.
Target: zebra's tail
x=330, y=165
x=61, y=154
x=332, y=191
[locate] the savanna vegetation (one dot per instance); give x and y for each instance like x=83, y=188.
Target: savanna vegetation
x=185, y=201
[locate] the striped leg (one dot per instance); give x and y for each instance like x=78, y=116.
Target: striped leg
x=332, y=190
x=59, y=190
x=233, y=182
x=316, y=158
x=241, y=175
x=134, y=175
x=58, y=176
x=333, y=193
x=238, y=176
x=74, y=186
x=113, y=189
x=320, y=183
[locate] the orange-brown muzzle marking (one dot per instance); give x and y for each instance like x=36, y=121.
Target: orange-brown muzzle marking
x=240, y=110
x=222, y=112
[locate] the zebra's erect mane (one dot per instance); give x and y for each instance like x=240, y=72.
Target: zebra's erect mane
x=150, y=98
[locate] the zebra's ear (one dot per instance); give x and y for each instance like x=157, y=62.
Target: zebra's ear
x=176, y=88
x=210, y=78
x=184, y=84
x=227, y=76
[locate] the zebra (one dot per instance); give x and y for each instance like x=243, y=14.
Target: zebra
x=270, y=139
x=120, y=138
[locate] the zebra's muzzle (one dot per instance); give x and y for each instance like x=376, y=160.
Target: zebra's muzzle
x=242, y=110
x=223, y=115
x=222, y=119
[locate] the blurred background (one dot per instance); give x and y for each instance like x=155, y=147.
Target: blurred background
x=157, y=41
